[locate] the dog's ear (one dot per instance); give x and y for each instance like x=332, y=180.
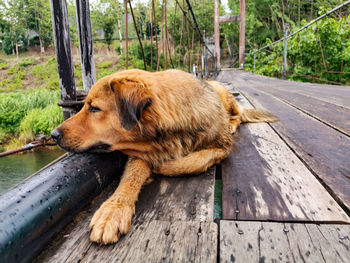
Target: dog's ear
x=132, y=99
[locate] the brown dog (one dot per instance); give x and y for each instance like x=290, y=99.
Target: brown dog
x=167, y=122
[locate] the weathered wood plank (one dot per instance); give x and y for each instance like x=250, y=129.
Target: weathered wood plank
x=168, y=200
x=264, y=180
x=335, y=116
x=338, y=95
x=283, y=242
x=323, y=149
x=162, y=241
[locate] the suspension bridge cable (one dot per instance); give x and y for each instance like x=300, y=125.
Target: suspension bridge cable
x=196, y=24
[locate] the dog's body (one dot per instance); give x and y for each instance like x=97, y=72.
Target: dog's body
x=167, y=122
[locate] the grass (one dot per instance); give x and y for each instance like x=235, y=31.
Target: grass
x=26, y=62
x=14, y=106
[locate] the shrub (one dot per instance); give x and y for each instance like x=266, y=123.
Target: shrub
x=47, y=73
x=7, y=44
x=14, y=106
x=3, y=66
x=40, y=120
x=105, y=64
x=12, y=70
x=26, y=62
x=135, y=56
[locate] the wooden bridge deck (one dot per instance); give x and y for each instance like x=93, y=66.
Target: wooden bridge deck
x=286, y=190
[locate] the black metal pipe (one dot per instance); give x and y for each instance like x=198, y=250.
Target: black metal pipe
x=37, y=209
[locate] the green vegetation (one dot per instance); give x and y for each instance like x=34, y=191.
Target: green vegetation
x=135, y=56
x=3, y=66
x=26, y=62
x=25, y=114
x=46, y=74
x=318, y=54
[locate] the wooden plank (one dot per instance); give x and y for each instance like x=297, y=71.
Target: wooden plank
x=283, y=242
x=166, y=200
x=324, y=150
x=228, y=19
x=335, y=116
x=85, y=44
x=162, y=241
x=264, y=180
x=338, y=95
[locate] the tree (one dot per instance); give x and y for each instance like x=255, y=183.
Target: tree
x=39, y=20
x=105, y=14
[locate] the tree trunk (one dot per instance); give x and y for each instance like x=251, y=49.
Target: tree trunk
x=312, y=10
x=298, y=12
x=120, y=36
x=13, y=48
x=17, y=49
x=42, y=48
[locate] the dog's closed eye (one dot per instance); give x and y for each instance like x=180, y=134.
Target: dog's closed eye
x=94, y=109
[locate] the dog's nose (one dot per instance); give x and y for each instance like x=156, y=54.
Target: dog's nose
x=56, y=135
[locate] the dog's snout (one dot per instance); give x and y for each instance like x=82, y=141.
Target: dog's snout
x=56, y=135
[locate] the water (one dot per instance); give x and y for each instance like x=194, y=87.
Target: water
x=15, y=168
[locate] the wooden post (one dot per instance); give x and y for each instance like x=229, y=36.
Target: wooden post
x=65, y=68
x=242, y=34
x=126, y=34
x=216, y=32
x=85, y=44
x=205, y=56
x=138, y=35
x=152, y=35
x=285, y=51
x=254, y=61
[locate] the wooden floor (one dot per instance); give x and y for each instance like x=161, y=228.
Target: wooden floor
x=286, y=190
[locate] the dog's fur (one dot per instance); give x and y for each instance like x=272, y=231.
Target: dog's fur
x=167, y=122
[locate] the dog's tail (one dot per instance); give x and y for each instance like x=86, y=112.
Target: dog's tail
x=254, y=115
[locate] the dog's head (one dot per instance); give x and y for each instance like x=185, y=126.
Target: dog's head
x=113, y=117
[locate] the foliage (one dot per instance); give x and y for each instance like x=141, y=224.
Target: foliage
x=318, y=54
x=14, y=106
x=105, y=64
x=41, y=120
x=3, y=66
x=135, y=56
x=47, y=74
x=26, y=62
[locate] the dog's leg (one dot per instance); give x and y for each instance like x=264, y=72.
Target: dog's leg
x=193, y=163
x=115, y=214
x=235, y=121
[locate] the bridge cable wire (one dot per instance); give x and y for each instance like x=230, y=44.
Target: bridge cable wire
x=306, y=26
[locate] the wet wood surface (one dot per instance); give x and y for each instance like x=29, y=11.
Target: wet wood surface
x=324, y=150
x=283, y=242
x=173, y=221
x=263, y=180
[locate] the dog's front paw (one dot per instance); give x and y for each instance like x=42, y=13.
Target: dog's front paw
x=112, y=218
